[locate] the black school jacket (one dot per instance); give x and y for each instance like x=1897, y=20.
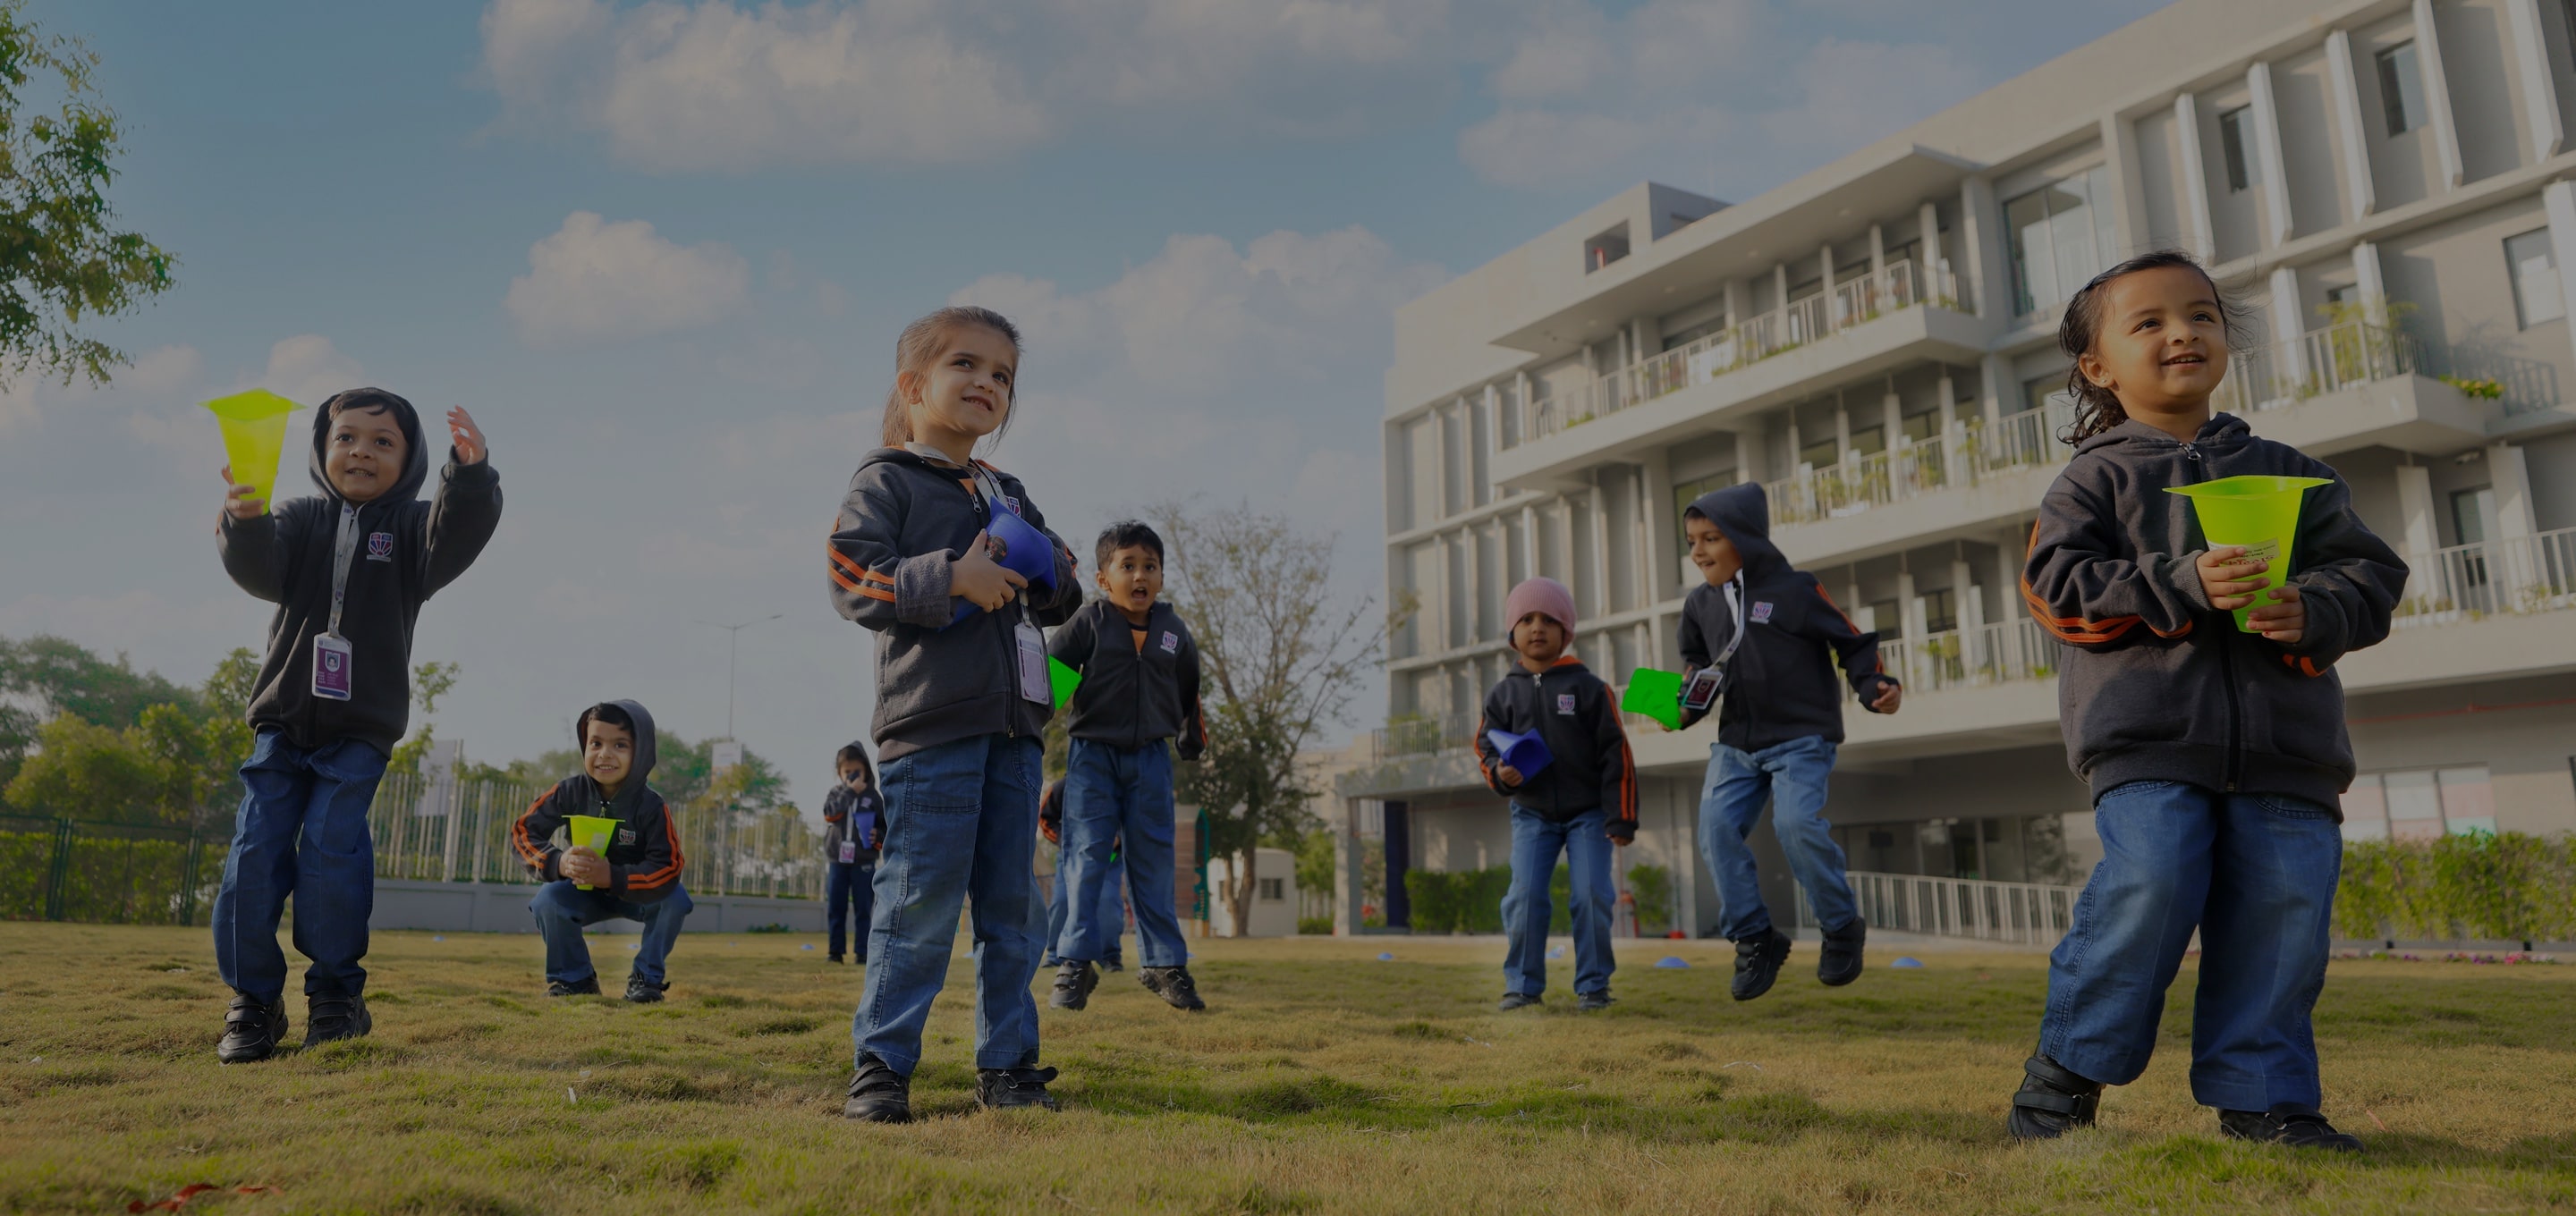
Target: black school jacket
x=1573, y=713
x=1780, y=683
x=406, y=551
x=2157, y=685
x=643, y=857
x=1139, y=686
x=841, y=809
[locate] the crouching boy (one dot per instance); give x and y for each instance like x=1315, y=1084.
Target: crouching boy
x=636, y=878
x=1582, y=802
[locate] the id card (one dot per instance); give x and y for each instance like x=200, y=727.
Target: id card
x=1701, y=692
x=1034, y=684
x=849, y=852
x=331, y=662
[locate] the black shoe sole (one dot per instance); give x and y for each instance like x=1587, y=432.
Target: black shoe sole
x=876, y=1113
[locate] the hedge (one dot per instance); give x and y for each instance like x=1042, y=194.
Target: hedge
x=2497, y=886
x=107, y=879
x=1471, y=901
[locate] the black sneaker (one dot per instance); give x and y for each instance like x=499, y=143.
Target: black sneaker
x=2052, y=1101
x=335, y=1016
x=1589, y=1001
x=1757, y=964
x=878, y=1094
x=1516, y=1000
x=1007, y=1088
x=2287, y=1123
x=1074, y=981
x=1112, y=966
x=640, y=990
x=1174, y=985
x=588, y=987
x=833, y=959
x=251, y=1029
x=1839, y=962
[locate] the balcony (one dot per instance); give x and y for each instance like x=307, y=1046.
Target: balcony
x=2354, y=385
x=1961, y=482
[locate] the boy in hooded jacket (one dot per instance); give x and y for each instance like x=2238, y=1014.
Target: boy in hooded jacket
x=853, y=830
x=348, y=570
x=636, y=878
x=1771, y=635
x=1583, y=802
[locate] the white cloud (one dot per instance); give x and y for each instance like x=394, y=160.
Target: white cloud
x=596, y=281
x=158, y=372
x=307, y=369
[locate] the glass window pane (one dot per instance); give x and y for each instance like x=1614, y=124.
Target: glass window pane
x=2401, y=89
x=2534, y=266
x=2365, y=810
x=2236, y=147
x=2468, y=799
x=2079, y=217
x=2414, y=805
x=2034, y=271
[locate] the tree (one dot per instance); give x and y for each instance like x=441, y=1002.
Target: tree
x=87, y=771
x=429, y=682
x=1278, y=658
x=62, y=260
x=64, y=677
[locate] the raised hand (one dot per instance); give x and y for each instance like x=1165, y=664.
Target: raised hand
x=466, y=437
x=241, y=501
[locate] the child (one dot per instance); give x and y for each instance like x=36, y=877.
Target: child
x=1768, y=635
x=638, y=878
x=853, y=828
x=1112, y=907
x=1139, y=694
x=2217, y=757
x=960, y=708
x=348, y=570
x=1582, y=802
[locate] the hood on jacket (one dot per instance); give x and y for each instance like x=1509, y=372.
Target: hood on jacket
x=631, y=791
x=2220, y=429
x=415, y=470
x=1744, y=515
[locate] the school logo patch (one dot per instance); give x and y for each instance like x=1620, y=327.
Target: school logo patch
x=1761, y=612
x=1565, y=704
x=1171, y=642
x=380, y=546
x=625, y=835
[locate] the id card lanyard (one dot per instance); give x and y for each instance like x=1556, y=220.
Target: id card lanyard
x=1027, y=641
x=333, y=660
x=1734, y=604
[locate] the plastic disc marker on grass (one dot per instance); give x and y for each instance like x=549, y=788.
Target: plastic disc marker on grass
x=590, y=832
x=1656, y=694
x=2258, y=511
x=254, y=426
x=1672, y=960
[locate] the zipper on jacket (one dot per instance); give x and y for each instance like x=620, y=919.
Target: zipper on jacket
x=2226, y=669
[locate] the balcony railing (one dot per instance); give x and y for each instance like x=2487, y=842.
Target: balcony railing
x=1902, y=285
x=1971, y=658
x=1973, y=451
x=2519, y=575
x=2314, y=363
x=2030, y=912
x=1425, y=734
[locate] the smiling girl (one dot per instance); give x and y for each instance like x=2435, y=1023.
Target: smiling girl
x=2216, y=756
x=962, y=698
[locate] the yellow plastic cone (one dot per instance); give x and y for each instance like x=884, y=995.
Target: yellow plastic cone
x=2258, y=511
x=590, y=832
x=254, y=426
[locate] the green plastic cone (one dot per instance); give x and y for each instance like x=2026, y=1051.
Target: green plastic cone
x=590, y=832
x=1063, y=680
x=1657, y=694
x=2258, y=511
x=254, y=425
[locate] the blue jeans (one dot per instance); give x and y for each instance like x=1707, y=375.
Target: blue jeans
x=847, y=888
x=961, y=821
x=302, y=831
x=1527, y=908
x=2256, y=874
x=1792, y=776
x=562, y=909
x=1112, y=909
x=1120, y=797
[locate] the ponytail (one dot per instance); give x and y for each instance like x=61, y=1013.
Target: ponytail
x=920, y=344
x=2098, y=409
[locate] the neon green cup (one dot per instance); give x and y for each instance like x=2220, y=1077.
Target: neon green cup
x=1655, y=693
x=1063, y=680
x=590, y=832
x=254, y=425
x=2257, y=511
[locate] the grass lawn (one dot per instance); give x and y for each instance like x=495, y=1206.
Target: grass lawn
x=1322, y=1081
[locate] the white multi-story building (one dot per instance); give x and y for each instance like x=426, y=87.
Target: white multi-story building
x=2384, y=184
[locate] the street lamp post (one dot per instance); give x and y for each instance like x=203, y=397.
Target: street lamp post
x=733, y=640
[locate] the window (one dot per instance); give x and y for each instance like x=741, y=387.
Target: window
x=1919, y=427
x=1940, y=611
x=2401, y=89
x=1868, y=440
x=2534, y=267
x=2349, y=294
x=2473, y=520
x=1273, y=890
x=2236, y=141
x=2420, y=804
x=1886, y=620
x=1821, y=453
x=1604, y=249
x=2059, y=238
x=2037, y=394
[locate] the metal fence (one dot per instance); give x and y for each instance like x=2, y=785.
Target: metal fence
x=105, y=873
x=459, y=831
x=2029, y=912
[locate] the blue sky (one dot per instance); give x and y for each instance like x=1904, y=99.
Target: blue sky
x=662, y=250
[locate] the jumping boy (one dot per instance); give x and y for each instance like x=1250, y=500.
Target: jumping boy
x=1583, y=801
x=1113, y=905
x=1769, y=635
x=637, y=878
x=348, y=570
x=1139, y=693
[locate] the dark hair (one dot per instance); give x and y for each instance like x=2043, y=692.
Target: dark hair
x=365, y=401
x=2098, y=409
x=921, y=342
x=855, y=752
x=1126, y=534
x=602, y=712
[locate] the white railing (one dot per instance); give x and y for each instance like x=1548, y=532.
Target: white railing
x=1423, y=734
x=2000, y=653
x=2284, y=374
x=1902, y=285
x=1973, y=451
x=2523, y=574
x=2028, y=912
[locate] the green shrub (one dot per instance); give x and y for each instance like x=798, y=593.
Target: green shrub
x=2508, y=886
x=1653, y=888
